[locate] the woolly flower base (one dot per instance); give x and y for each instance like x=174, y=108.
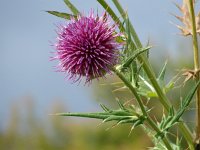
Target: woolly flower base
x=86, y=47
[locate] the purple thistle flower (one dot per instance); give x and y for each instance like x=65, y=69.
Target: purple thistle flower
x=87, y=47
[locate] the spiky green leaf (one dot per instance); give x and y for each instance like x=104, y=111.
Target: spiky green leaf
x=122, y=115
x=174, y=118
x=61, y=14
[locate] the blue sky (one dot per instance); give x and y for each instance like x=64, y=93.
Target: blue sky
x=25, y=32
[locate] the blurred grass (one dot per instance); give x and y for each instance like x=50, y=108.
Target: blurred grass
x=25, y=130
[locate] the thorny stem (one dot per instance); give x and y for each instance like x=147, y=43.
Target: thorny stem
x=196, y=67
x=132, y=30
x=139, y=100
x=163, y=99
x=132, y=89
x=164, y=139
x=149, y=71
x=146, y=65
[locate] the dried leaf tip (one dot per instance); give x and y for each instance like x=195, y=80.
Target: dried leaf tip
x=186, y=27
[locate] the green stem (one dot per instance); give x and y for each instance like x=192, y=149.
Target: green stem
x=146, y=64
x=163, y=98
x=149, y=71
x=112, y=14
x=139, y=100
x=132, y=30
x=71, y=7
x=164, y=139
x=196, y=67
x=132, y=89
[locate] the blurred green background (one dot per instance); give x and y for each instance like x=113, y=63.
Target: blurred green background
x=30, y=90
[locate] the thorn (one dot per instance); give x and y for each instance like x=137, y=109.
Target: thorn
x=148, y=100
x=131, y=130
x=178, y=6
x=156, y=120
x=116, y=124
x=150, y=109
x=120, y=104
x=52, y=114
x=56, y=114
x=100, y=124
x=108, y=128
x=120, y=89
x=126, y=103
x=104, y=121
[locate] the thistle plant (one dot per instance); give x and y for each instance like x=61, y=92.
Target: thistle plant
x=89, y=46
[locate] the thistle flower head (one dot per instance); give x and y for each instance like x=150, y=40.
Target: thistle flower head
x=87, y=47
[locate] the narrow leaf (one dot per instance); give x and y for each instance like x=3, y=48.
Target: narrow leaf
x=129, y=40
x=112, y=14
x=105, y=108
x=172, y=120
x=132, y=120
x=71, y=7
x=121, y=106
x=85, y=115
x=162, y=72
x=134, y=56
x=121, y=113
x=117, y=118
x=61, y=14
x=132, y=30
x=187, y=101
